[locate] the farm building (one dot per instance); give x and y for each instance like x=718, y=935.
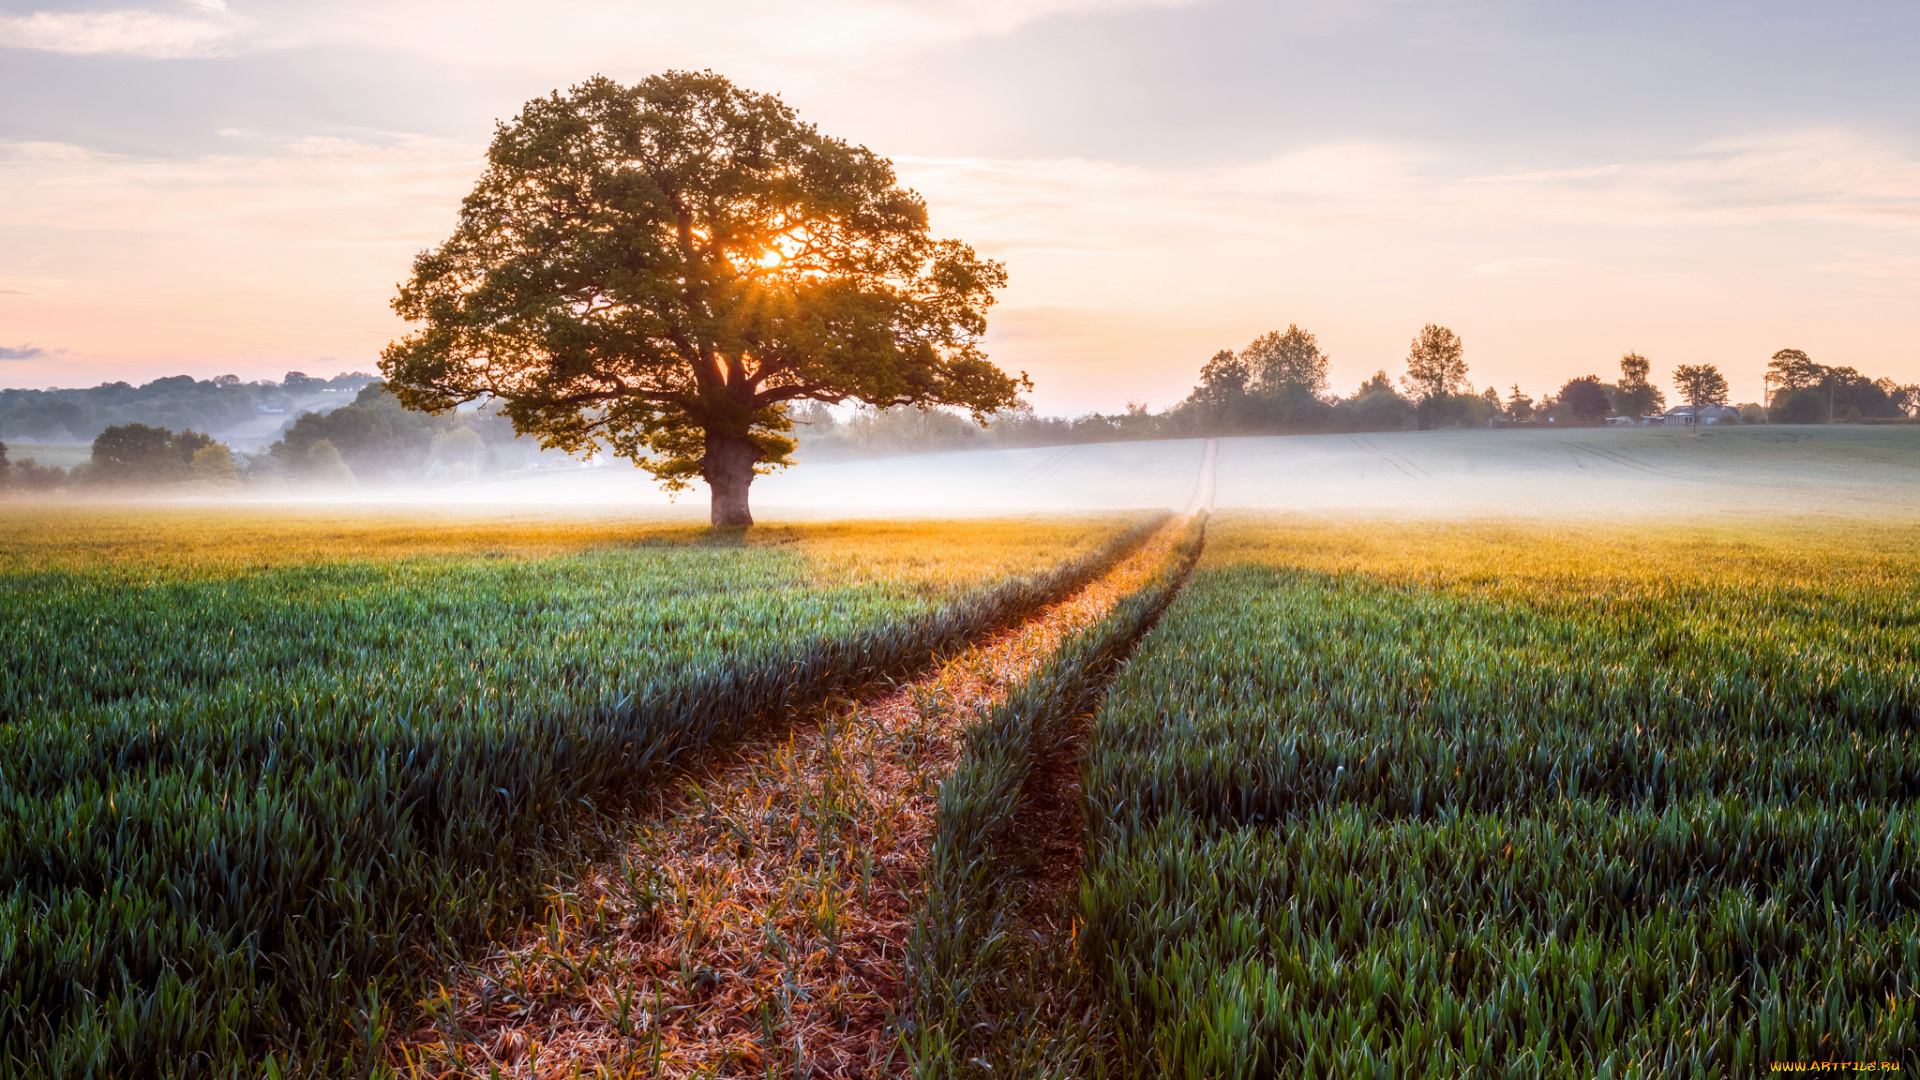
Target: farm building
x=1691, y=415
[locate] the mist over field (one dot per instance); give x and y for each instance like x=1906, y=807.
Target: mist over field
x=1580, y=473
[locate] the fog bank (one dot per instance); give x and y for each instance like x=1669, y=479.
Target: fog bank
x=1580, y=473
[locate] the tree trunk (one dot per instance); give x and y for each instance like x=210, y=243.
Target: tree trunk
x=728, y=469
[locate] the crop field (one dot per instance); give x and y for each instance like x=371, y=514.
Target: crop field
x=1715, y=473
x=242, y=791
x=1470, y=799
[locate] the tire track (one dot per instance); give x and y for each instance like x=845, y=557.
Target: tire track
x=758, y=917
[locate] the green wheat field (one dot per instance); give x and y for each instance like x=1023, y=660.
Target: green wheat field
x=1362, y=793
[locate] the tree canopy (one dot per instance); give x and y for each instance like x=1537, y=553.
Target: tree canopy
x=1636, y=395
x=139, y=454
x=1223, y=381
x=1436, y=363
x=1585, y=398
x=663, y=268
x=1519, y=406
x=1286, y=363
x=1700, y=384
x=1791, y=369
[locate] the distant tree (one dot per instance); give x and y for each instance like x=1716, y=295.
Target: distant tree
x=1585, y=398
x=381, y=440
x=1700, y=384
x=814, y=418
x=1636, y=394
x=139, y=454
x=263, y=468
x=30, y=475
x=214, y=468
x=1378, y=383
x=1223, y=381
x=6, y=469
x=1855, y=396
x=323, y=465
x=1801, y=406
x=1436, y=364
x=905, y=430
x=1519, y=406
x=1904, y=398
x=1791, y=369
x=666, y=268
x=456, y=454
x=1282, y=364
x=1375, y=406
x=188, y=443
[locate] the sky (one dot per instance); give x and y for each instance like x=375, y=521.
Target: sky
x=236, y=186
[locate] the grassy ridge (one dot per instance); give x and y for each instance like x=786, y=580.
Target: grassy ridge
x=233, y=803
x=1403, y=807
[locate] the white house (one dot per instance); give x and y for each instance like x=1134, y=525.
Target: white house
x=1695, y=416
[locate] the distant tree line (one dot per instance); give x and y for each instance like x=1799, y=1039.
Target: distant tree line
x=1800, y=391
x=377, y=440
x=178, y=401
x=1278, y=384
x=133, y=456
x=372, y=440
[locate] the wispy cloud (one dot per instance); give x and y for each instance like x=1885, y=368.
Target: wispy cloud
x=157, y=35
x=738, y=34
x=1830, y=177
x=22, y=352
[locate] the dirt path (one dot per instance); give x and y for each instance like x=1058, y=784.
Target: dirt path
x=759, y=916
x=1203, y=490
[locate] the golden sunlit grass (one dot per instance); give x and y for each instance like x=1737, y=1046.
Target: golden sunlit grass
x=756, y=920
x=213, y=537
x=1521, y=554
x=203, y=540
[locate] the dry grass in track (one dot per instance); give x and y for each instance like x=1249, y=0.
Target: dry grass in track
x=756, y=922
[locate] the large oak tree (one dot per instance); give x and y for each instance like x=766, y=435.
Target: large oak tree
x=661, y=269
